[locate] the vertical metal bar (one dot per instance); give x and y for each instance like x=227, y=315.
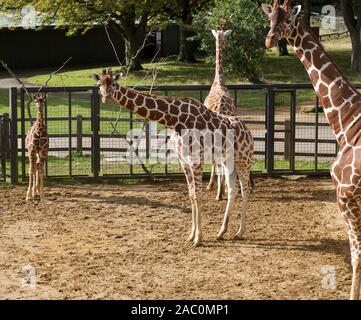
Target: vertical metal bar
x=131, y=142
x=6, y=132
x=316, y=133
x=270, y=131
x=70, y=134
x=201, y=95
x=46, y=123
x=96, y=139
x=23, y=135
x=293, y=130
x=13, y=135
x=2, y=149
x=79, y=134
x=147, y=141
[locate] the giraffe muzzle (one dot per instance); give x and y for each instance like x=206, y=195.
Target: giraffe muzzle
x=271, y=41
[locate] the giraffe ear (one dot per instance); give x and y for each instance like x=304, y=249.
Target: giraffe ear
x=267, y=9
x=296, y=10
x=214, y=32
x=118, y=76
x=227, y=33
x=95, y=77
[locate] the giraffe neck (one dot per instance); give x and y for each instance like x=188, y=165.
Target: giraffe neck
x=337, y=96
x=150, y=107
x=218, y=77
x=40, y=116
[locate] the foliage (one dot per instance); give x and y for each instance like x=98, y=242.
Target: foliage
x=245, y=46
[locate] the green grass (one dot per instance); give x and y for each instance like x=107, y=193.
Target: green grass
x=81, y=166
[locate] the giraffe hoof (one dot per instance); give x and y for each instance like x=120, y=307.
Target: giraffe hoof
x=196, y=243
x=238, y=237
x=220, y=236
x=219, y=198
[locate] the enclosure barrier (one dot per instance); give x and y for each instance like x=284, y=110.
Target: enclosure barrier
x=89, y=140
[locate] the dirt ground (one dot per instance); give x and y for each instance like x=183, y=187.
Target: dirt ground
x=129, y=242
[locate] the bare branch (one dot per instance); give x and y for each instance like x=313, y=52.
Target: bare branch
x=54, y=73
x=23, y=87
x=111, y=43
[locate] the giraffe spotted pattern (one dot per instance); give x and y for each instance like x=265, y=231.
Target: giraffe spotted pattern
x=37, y=143
x=185, y=114
x=342, y=107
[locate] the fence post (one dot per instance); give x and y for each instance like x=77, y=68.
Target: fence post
x=13, y=135
x=270, y=131
x=6, y=129
x=95, y=127
x=79, y=134
x=287, y=148
x=2, y=151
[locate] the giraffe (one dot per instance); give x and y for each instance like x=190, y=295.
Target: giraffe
x=342, y=107
x=219, y=100
x=37, y=142
x=183, y=115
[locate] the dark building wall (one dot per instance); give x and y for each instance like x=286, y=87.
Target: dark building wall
x=26, y=49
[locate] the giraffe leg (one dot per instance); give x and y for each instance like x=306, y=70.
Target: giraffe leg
x=243, y=176
x=197, y=181
x=351, y=212
x=35, y=179
x=29, y=194
x=232, y=187
x=221, y=183
x=211, y=179
x=189, y=178
x=41, y=180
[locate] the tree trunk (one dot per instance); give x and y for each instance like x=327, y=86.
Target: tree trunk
x=356, y=52
x=186, y=50
x=282, y=48
x=353, y=25
x=307, y=12
x=132, y=59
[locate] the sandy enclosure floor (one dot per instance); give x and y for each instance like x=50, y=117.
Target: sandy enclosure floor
x=129, y=242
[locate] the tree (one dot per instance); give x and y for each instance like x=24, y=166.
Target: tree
x=183, y=12
x=245, y=46
x=351, y=10
x=128, y=18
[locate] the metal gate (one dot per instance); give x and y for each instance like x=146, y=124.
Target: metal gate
x=299, y=142
x=4, y=145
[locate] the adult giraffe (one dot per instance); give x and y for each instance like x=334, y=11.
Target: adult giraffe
x=187, y=116
x=342, y=107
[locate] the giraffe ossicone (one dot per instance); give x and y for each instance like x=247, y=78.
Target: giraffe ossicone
x=182, y=114
x=342, y=106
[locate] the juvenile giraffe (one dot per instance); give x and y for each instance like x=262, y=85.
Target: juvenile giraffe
x=219, y=100
x=184, y=116
x=37, y=142
x=342, y=106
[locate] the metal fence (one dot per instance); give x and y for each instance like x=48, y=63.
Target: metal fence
x=4, y=145
x=90, y=140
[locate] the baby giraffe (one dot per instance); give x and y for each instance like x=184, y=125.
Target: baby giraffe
x=37, y=142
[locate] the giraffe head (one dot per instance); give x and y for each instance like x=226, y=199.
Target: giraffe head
x=40, y=99
x=106, y=82
x=283, y=21
x=221, y=36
